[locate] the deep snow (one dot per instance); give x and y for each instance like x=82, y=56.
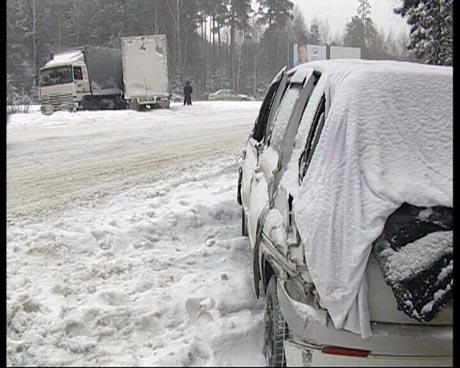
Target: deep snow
x=156, y=274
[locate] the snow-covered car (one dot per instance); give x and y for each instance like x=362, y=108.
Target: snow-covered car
x=228, y=95
x=346, y=192
x=175, y=97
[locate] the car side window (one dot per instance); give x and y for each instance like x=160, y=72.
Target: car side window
x=295, y=119
x=313, y=138
x=261, y=123
x=275, y=138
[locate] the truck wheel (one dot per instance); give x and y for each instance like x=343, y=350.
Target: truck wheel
x=244, y=228
x=275, y=327
x=133, y=105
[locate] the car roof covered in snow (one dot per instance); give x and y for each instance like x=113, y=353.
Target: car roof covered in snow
x=341, y=65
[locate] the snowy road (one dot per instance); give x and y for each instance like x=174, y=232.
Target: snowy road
x=124, y=243
x=66, y=158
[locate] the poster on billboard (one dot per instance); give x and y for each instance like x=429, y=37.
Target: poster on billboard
x=305, y=53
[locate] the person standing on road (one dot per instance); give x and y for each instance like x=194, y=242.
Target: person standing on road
x=188, y=93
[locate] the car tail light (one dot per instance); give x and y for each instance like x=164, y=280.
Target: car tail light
x=337, y=350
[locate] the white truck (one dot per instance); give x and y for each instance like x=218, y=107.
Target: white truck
x=95, y=78
x=145, y=71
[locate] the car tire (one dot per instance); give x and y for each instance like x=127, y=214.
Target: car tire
x=244, y=228
x=275, y=327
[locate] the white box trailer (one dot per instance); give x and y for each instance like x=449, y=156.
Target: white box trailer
x=145, y=71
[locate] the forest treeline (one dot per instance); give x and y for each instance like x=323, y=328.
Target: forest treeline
x=215, y=44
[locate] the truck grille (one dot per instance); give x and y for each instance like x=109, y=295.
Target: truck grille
x=59, y=99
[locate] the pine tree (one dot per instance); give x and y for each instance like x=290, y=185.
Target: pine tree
x=430, y=29
x=275, y=42
x=315, y=35
x=299, y=27
x=354, y=33
x=275, y=13
x=360, y=31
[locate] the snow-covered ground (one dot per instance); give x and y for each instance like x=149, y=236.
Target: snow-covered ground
x=124, y=243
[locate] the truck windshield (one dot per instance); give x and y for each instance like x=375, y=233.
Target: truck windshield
x=58, y=75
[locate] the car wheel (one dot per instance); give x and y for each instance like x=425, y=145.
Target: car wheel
x=244, y=228
x=275, y=327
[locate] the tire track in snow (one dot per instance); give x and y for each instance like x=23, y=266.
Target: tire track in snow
x=112, y=162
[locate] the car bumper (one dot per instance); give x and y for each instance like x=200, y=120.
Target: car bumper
x=305, y=355
x=311, y=330
x=153, y=100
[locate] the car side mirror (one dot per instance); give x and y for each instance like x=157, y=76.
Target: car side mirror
x=35, y=81
x=267, y=166
x=259, y=148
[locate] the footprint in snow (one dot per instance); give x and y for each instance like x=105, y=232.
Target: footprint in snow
x=74, y=328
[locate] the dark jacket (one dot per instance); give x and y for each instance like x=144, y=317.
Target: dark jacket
x=188, y=90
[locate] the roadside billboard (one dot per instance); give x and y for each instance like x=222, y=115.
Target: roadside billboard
x=301, y=53
x=341, y=52
x=305, y=53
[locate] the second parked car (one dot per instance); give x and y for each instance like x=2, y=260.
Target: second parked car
x=346, y=187
x=228, y=95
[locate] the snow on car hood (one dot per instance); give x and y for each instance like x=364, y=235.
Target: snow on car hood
x=388, y=139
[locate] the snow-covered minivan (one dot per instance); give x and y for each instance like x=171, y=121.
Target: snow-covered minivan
x=347, y=200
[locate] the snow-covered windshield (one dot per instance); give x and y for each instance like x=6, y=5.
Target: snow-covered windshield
x=57, y=75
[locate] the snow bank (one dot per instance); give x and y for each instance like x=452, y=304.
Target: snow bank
x=160, y=276
x=115, y=117
x=155, y=275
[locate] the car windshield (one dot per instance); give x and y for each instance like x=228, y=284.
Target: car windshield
x=57, y=75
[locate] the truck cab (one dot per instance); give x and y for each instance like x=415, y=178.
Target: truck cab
x=86, y=78
x=63, y=85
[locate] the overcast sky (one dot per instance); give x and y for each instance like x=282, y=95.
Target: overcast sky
x=339, y=12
